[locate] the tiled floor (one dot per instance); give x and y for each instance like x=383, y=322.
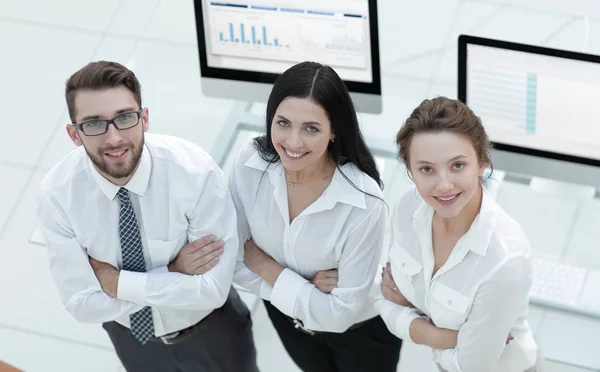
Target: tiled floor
x=43, y=42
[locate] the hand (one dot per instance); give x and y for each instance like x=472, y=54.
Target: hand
x=254, y=257
x=390, y=291
x=107, y=275
x=326, y=280
x=198, y=257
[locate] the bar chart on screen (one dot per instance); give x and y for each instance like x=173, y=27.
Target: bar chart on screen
x=341, y=36
x=341, y=44
x=290, y=34
x=525, y=108
x=509, y=97
x=244, y=34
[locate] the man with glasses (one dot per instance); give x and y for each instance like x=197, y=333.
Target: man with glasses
x=142, y=235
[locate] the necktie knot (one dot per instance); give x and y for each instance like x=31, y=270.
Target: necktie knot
x=123, y=195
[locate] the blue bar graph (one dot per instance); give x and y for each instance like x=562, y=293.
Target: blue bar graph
x=340, y=43
x=251, y=38
x=505, y=95
x=531, y=103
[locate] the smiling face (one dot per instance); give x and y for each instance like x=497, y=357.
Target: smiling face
x=116, y=153
x=300, y=133
x=446, y=171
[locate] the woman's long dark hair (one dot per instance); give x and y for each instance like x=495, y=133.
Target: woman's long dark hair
x=322, y=85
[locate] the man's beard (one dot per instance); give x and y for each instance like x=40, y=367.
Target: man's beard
x=122, y=171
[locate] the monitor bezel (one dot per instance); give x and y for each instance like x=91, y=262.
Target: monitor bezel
x=465, y=40
x=269, y=78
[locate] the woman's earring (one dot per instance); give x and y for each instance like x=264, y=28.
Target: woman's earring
x=332, y=139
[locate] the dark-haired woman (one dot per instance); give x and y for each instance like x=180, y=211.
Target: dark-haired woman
x=311, y=216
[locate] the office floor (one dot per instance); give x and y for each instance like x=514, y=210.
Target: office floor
x=43, y=42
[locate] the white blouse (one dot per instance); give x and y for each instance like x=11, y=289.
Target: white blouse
x=482, y=290
x=343, y=229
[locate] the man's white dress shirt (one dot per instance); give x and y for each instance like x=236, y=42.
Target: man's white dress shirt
x=179, y=194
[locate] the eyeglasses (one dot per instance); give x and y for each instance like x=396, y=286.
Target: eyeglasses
x=97, y=127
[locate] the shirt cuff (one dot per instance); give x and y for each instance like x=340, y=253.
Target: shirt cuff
x=398, y=318
x=386, y=309
x=132, y=287
x=265, y=290
x=447, y=359
x=403, y=322
x=286, y=290
x=159, y=270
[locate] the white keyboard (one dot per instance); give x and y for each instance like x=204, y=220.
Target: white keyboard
x=556, y=283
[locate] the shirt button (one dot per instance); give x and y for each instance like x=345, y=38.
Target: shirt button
x=449, y=302
x=403, y=264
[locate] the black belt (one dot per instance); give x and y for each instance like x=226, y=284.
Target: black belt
x=184, y=334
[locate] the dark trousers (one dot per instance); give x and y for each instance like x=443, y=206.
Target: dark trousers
x=222, y=342
x=367, y=348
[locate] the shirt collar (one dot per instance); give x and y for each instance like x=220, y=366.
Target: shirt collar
x=478, y=238
x=138, y=184
x=339, y=190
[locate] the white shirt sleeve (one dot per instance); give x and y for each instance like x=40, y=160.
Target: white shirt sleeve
x=79, y=289
x=214, y=213
x=397, y=318
x=337, y=311
x=496, y=305
x=243, y=276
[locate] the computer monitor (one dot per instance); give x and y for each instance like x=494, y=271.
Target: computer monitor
x=245, y=44
x=538, y=106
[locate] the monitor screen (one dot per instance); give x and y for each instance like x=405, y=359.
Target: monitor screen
x=533, y=100
x=257, y=40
